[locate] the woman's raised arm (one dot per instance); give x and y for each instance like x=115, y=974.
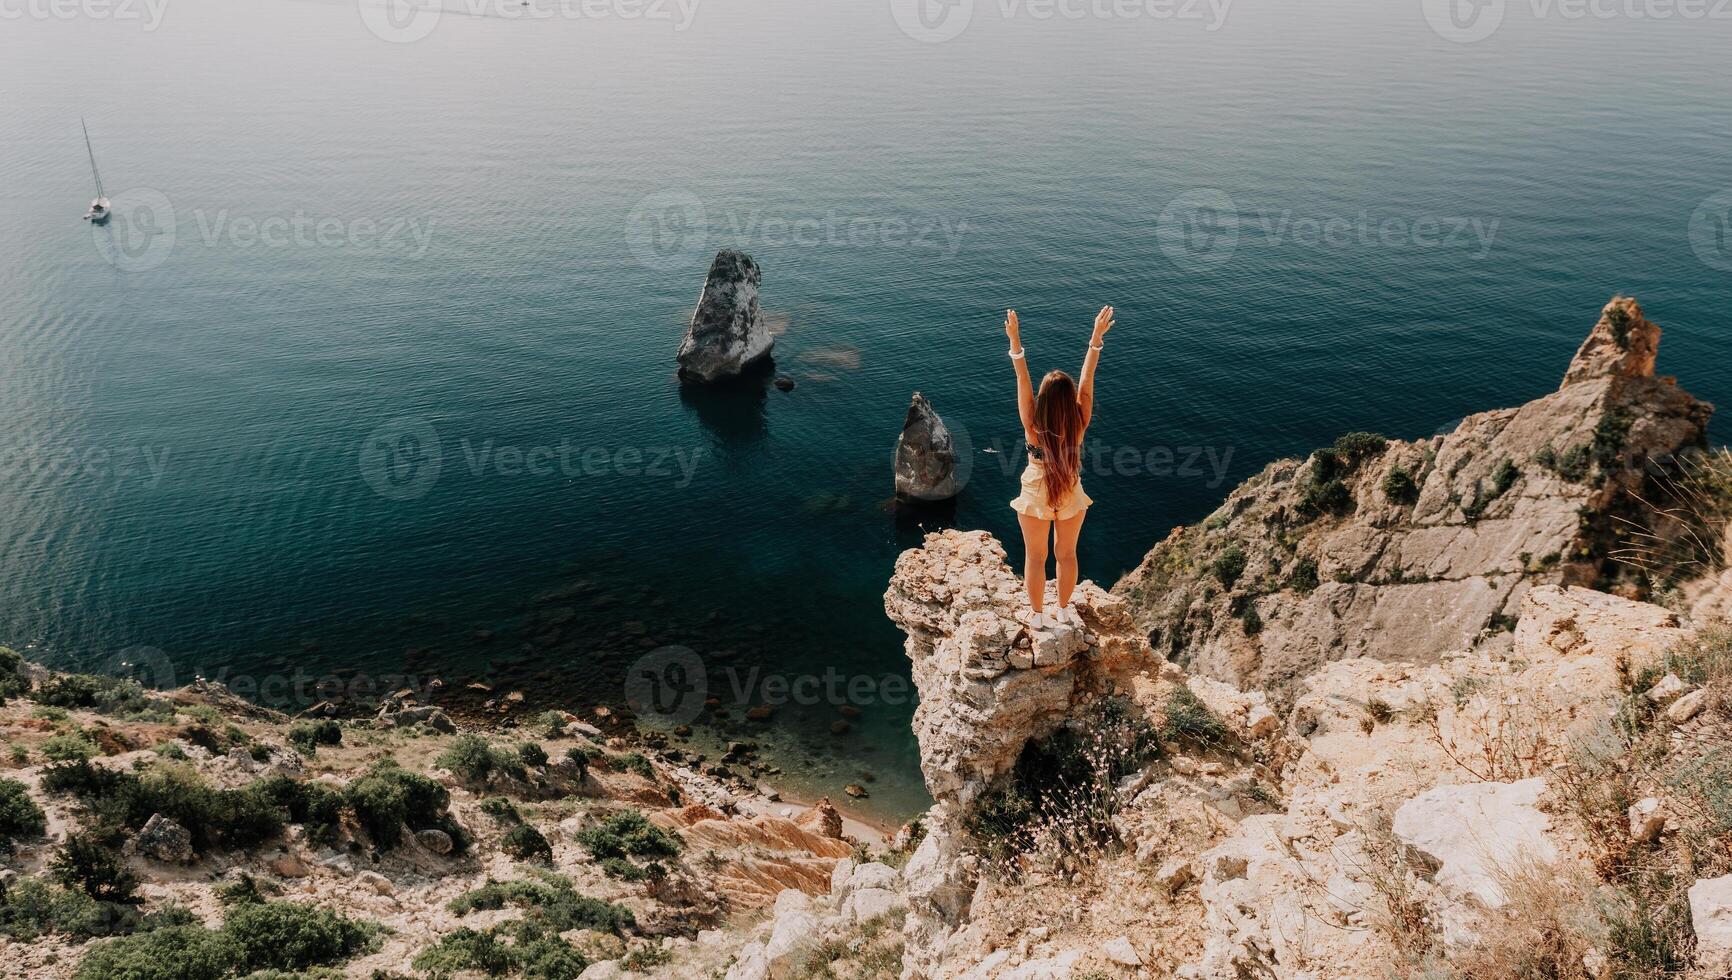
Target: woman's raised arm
x=1024, y=390
x=1085, y=392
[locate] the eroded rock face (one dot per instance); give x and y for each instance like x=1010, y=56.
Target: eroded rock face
x=1408, y=550
x=925, y=455
x=727, y=335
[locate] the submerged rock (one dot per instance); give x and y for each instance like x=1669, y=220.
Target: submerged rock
x=727, y=334
x=925, y=455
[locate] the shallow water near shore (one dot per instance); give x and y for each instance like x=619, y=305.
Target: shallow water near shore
x=372, y=376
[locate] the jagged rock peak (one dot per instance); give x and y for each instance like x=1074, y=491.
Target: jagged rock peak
x=1624, y=344
x=925, y=454
x=727, y=335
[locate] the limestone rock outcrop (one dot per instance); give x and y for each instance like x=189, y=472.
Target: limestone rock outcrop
x=1410, y=550
x=925, y=455
x=727, y=334
x=1383, y=792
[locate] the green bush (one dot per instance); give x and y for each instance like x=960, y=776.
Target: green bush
x=11, y=685
x=68, y=747
x=1189, y=721
x=19, y=814
x=1324, y=497
x=292, y=936
x=390, y=797
x=1610, y=434
x=524, y=842
x=531, y=754
x=552, y=900
x=239, y=818
x=466, y=949
x=315, y=806
x=1503, y=477
x=1304, y=576
x=1355, y=446
x=552, y=723
x=501, y=809
x=266, y=936
x=628, y=832
x=1250, y=620
x=473, y=759
x=624, y=869
x=117, y=696
x=1229, y=565
x=31, y=907
x=180, y=953
x=1398, y=485
x=636, y=762
x=88, y=864
x=307, y=736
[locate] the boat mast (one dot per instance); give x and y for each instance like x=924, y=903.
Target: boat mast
x=94, y=172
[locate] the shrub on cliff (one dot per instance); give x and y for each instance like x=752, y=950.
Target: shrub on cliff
x=1304, y=576
x=1060, y=798
x=1190, y=722
x=1398, y=485
x=473, y=759
x=239, y=818
x=68, y=747
x=550, y=898
x=32, y=907
x=389, y=797
x=90, y=865
x=1356, y=446
x=307, y=736
x=264, y=937
x=1229, y=565
x=19, y=814
x=117, y=696
x=628, y=832
x=524, y=843
x=11, y=685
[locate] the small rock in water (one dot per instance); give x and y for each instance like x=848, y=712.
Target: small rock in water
x=760, y=713
x=856, y=790
x=726, y=334
x=839, y=727
x=925, y=455
x=784, y=383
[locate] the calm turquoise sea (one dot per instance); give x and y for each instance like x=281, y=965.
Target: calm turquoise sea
x=374, y=371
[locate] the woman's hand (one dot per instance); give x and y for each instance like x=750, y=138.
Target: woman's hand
x=1103, y=323
x=1013, y=330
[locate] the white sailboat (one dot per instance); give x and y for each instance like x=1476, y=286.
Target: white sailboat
x=99, y=208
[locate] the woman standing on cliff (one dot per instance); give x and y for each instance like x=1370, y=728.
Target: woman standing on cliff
x=1052, y=502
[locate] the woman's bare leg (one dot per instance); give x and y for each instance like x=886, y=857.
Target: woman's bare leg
x=1065, y=534
x=1034, y=532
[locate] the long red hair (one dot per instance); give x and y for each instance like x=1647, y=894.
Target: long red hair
x=1058, y=429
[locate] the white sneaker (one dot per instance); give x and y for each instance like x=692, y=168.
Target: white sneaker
x=1067, y=615
x=1033, y=620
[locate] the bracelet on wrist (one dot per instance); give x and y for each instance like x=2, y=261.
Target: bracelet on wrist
x=1016, y=355
x=1095, y=347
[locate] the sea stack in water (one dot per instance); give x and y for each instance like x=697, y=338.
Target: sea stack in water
x=925, y=455
x=727, y=335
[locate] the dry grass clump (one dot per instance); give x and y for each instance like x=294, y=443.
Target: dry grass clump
x=1551, y=925
x=1690, y=503
x=871, y=950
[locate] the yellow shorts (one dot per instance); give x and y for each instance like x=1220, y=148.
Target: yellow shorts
x=1032, y=501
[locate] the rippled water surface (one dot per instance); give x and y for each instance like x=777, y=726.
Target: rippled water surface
x=340, y=259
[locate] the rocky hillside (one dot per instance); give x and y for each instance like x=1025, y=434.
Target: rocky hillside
x=1409, y=550
x=1554, y=806
x=190, y=835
